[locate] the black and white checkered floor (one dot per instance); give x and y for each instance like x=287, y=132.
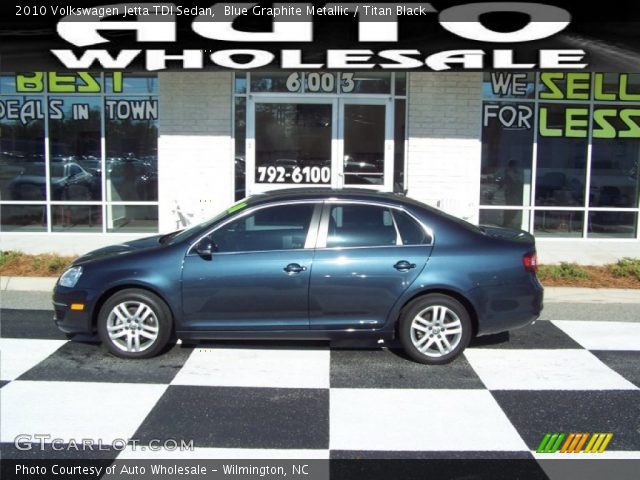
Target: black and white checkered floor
x=300, y=400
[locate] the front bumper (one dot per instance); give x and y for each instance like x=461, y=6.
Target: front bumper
x=73, y=321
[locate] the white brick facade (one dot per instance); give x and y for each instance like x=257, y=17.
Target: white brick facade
x=444, y=147
x=195, y=148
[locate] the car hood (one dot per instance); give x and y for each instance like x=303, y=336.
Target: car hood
x=120, y=249
x=507, y=233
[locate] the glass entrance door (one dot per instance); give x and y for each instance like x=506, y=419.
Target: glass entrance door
x=366, y=144
x=318, y=142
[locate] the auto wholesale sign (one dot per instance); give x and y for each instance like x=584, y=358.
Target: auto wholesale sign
x=433, y=36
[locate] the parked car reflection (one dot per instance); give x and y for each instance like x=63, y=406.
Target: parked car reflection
x=69, y=181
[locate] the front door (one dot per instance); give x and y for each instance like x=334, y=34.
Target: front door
x=258, y=275
x=319, y=141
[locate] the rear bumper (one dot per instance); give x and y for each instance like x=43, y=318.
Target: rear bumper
x=73, y=321
x=507, y=307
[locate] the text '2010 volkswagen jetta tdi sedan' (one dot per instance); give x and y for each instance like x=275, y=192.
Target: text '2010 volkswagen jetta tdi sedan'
x=308, y=264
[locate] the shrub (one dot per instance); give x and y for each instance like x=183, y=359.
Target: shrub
x=627, y=267
x=565, y=271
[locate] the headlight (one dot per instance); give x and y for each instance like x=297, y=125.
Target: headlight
x=70, y=277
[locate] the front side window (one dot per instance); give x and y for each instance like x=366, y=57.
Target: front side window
x=282, y=227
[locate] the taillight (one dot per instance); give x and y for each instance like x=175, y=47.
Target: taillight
x=530, y=262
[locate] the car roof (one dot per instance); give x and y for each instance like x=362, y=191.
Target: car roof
x=324, y=193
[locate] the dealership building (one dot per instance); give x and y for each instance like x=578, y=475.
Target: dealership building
x=88, y=160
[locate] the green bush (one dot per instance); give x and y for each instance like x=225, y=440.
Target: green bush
x=565, y=271
x=56, y=265
x=8, y=256
x=627, y=267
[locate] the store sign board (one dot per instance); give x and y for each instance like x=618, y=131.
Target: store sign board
x=609, y=120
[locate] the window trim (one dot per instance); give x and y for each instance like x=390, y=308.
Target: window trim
x=310, y=241
x=323, y=232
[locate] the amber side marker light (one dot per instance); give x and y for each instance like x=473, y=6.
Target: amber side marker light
x=77, y=306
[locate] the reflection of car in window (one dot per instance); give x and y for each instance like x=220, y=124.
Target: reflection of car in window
x=69, y=181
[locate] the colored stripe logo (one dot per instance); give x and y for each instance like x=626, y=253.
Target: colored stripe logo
x=555, y=442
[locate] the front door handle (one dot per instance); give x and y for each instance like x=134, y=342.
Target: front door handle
x=294, y=268
x=404, y=266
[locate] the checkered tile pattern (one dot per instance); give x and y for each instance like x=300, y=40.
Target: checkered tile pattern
x=297, y=400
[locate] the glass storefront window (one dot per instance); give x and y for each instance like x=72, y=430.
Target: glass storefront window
x=131, y=83
x=273, y=82
x=558, y=223
x=512, y=218
x=22, y=158
x=76, y=218
x=612, y=224
x=74, y=148
x=131, y=137
x=507, y=146
x=562, y=159
x=367, y=82
x=587, y=152
x=508, y=85
x=615, y=176
x=132, y=218
x=23, y=218
x=68, y=178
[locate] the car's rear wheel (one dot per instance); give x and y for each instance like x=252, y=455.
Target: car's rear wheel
x=135, y=323
x=435, y=329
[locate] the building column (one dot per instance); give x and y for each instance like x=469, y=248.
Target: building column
x=195, y=148
x=445, y=143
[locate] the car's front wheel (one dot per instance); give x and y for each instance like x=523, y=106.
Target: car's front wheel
x=435, y=329
x=135, y=323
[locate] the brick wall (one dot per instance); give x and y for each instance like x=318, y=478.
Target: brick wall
x=444, y=145
x=195, y=149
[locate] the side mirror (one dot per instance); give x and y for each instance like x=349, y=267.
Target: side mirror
x=205, y=248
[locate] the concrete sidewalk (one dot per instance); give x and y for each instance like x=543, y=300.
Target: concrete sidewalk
x=551, y=294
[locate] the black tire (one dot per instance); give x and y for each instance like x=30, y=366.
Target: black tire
x=159, y=317
x=426, y=304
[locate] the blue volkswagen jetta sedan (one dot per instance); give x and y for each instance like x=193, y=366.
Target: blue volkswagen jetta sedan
x=308, y=264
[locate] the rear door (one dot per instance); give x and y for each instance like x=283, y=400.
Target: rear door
x=367, y=256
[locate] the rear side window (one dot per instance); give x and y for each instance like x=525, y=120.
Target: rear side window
x=411, y=231
x=282, y=227
x=361, y=226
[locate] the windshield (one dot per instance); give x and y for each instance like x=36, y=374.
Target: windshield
x=187, y=232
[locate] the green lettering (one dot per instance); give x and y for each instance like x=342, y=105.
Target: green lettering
x=634, y=128
x=117, y=82
x=32, y=82
x=554, y=92
x=624, y=85
x=604, y=128
x=577, y=127
x=544, y=130
x=91, y=85
x=578, y=85
x=61, y=83
x=599, y=92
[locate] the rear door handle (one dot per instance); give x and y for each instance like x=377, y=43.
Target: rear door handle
x=404, y=266
x=294, y=268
